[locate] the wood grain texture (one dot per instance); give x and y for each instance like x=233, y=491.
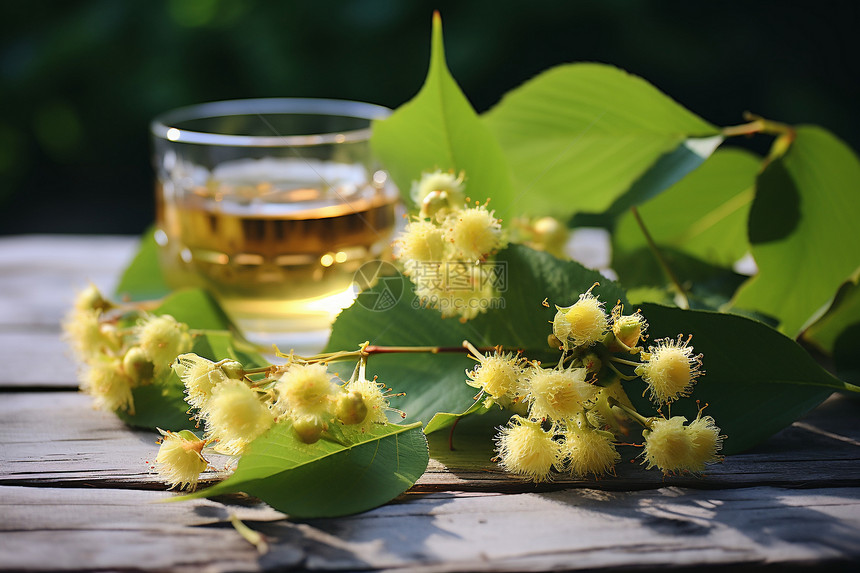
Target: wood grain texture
x=576, y=529
x=103, y=529
x=36, y=359
x=39, y=275
x=77, y=492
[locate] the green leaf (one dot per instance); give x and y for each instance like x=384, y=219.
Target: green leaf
x=703, y=215
x=327, y=479
x=845, y=354
x=436, y=382
x=667, y=171
x=579, y=136
x=442, y=420
x=196, y=308
x=844, y=313
x=438, y=129
x=143, y=279
x=802, y=227
x=707, y=286
x=757, y=380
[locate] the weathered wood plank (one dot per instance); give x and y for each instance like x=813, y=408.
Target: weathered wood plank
x=36, y=359
x=96, y=529
x=575, y=529
x=589, y=529
x=57, y=439
x=39, y=274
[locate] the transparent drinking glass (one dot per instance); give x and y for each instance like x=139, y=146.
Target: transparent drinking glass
x=272, y=205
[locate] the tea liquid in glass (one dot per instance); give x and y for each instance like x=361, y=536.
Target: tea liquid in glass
x=278, y=241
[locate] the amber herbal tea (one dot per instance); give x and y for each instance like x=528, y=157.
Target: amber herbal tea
x=276, y=230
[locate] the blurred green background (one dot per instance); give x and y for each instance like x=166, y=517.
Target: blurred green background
x=80, y=80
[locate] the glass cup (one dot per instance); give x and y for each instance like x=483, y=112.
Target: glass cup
x=273, y=205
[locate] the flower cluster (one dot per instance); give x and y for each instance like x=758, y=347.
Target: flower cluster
x=445, y=250
x=567, y=417
x=123, y=347
x=236, y=406
x=120, y=350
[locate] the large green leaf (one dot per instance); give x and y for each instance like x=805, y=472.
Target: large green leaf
x=160, y=404
x=757, y=380
x=326, y=478
x=703, y=215
x=196, y=308
x=579, y=136
x=669, y=169
x=436, y=382
x=844, y=313
x=143, y=279
x=707, y=286
x=438, y=129
x=803, y=230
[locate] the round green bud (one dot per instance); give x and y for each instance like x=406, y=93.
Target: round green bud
x=233, y=369
x=309, y=428
x=350, y=408
x=436, y=205
x=137, y=366
x=91, y=299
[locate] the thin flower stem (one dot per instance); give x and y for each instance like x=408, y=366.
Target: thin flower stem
x=619, y=373
x=682, y=294
x=631, y=413
x=561, y=360
x=372, y=349
x=259, y=370
x=758, y=124
x=623, y=361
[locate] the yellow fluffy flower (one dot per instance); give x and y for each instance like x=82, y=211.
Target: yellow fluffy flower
x=105, y=380
x=674, y=447
x=199, y=375
x=668, y=445
x=163, y=338
x=671, y=369
x=421, y=244
x=497, y=374
x=581, y=324
x=706, y=442
x=557, y=394
x=374, y=399
x=474, y=233
x=306, y=389
x=561, y=327
x=590, y=451
x=525, y=449
x=235, y=416
x=87, y=335
x=180, y=459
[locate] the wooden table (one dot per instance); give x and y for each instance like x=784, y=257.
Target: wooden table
x=76, y=492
